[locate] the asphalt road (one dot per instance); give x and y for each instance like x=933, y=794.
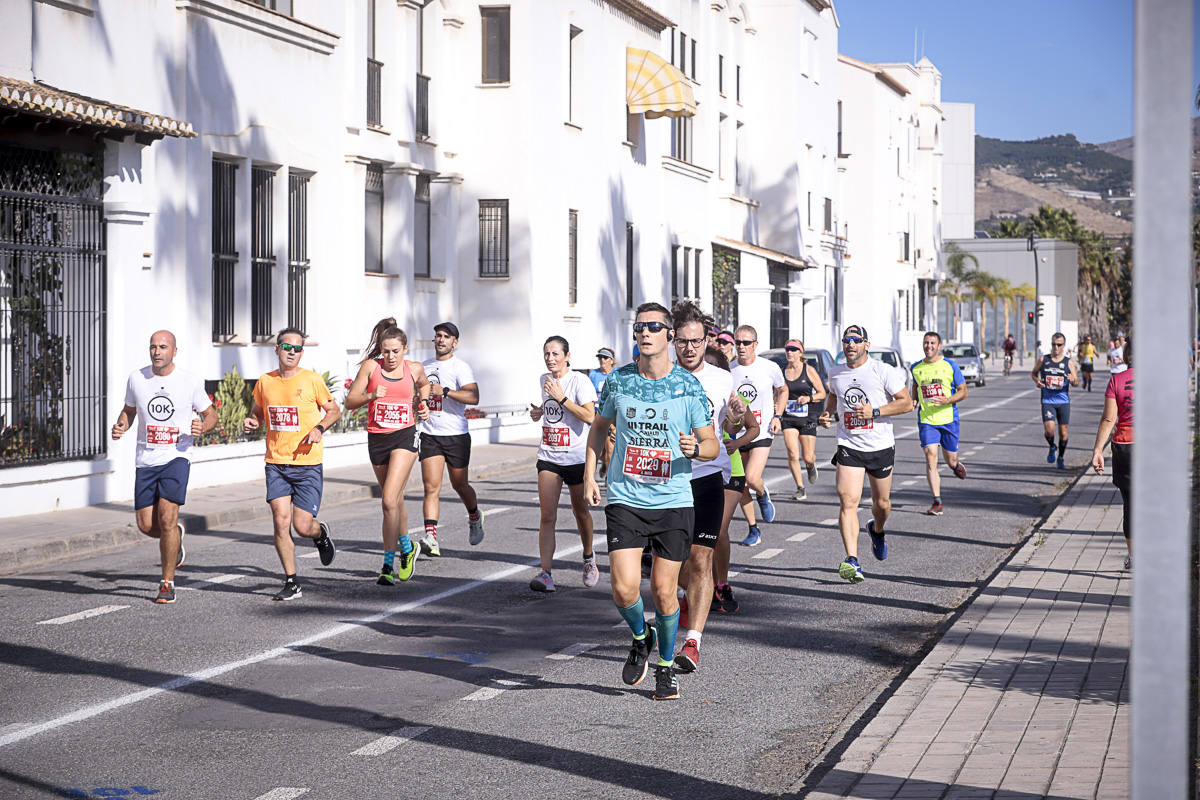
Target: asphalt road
x=464, y=683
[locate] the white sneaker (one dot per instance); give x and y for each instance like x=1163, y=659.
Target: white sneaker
x=812, y=473
x=429, y=545
x=542, y=582
x=591, y=573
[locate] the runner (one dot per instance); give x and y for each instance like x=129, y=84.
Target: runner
x=938, y=388
x=1052, y=375
x=662, y=420
x=760, y=383
x=1010, y=350
x=736, y=420
x=805, y=390
x=291, y=401
x=863, y=393
x=166, y=396
x=726, y=345
x=708, y=481
x=608, y=360
x=1115, y=354
x=1118, y=412
x=1087, y=355
x=567, y=409
x=445, y=440
x=397, y=393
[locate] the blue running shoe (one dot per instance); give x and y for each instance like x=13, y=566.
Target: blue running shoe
x=1061, y=464
x=766, y=506
x=1053, y=452
x=878, y=542
x=849, y=570
x=753, y=538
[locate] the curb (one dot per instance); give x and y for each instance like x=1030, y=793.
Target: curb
x=28, y=555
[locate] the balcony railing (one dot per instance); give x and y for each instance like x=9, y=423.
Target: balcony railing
x=374, y=93
x=422, y=121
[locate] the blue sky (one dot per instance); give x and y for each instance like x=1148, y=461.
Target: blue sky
x=1032, y=68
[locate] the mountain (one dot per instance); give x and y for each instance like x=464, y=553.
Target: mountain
x=1057, y=161
x=1124, y=147
x=1000, y=195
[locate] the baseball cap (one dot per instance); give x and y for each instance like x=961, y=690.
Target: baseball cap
x=448, y=327
x=606, y=352
x=855, y=330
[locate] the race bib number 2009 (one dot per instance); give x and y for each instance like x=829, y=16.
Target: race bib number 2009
x=283, y=418
x=647, y=464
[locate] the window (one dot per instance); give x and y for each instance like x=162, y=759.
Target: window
x=572, y=256
x=298, y=251
x=262, y=251
x=739, y=148
x=421, y=226
x=574, y=72
x=373, y=261
x=694, y=59
x=374, y=73
x=675, y=274
x=905, y=247
x=629, y=259
x=495, y=44
x=681, y=138
x=633, y=127
x=722, y=146
x=779, y=277
x=682, y=53
x=493, y=238
x=224, y=248
x=721, y=75
x=809, y=217
x=282, y=6
x=828, y=215
x=421, y=121
x=696, y=264
x=737, y=87
x=840, y=151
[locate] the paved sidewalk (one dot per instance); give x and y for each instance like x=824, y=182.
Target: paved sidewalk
x=1026, y=696
x=39, y=539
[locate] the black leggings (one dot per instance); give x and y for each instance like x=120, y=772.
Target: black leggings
x=1122, y=466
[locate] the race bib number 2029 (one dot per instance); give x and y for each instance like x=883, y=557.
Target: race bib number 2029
x=647, y=464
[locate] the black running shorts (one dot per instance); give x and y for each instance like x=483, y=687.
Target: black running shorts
x=571, y=474
x=877, y=463
x=668, y=531
x=708, y=500
x=806, y=425
x=746, y=448
x=737, y=483
x=381, y=445
x=455, y=449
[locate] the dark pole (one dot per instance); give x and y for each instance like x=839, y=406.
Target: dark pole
x=1031, y=245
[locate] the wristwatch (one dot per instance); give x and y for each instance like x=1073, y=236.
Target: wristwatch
x=874, y=413
x=320, y=427
x=445, y=391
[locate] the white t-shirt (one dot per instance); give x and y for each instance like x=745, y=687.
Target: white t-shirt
x=718, y=386
x=564, y=435
x=164, y=406
x=757, y=382
x=875, y=382
x=447, y=416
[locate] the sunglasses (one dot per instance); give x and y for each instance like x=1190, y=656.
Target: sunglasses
x=1059, y=344
x=852, y=340
x=793, y=349
x=292, y=348
x=653, y=327
x=744, y=342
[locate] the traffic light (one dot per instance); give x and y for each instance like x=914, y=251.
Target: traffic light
x=1029, y=317
x=1040, y=305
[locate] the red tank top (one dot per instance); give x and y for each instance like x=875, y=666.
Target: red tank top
x=394, y=410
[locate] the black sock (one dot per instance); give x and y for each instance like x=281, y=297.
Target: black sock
x=431, y=523
x=1050, y=439
x=290, y=578
x=1062, y=446
x=937, y=500
x=587, y=556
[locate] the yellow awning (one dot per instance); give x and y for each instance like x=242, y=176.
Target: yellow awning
x=655, y=87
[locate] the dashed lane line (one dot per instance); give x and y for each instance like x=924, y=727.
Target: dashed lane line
x=576, y=649
x=283, y=793
x=832, y=521
x=390, y=742
x=227, y=578
x=770, y=552
x=488, y=692
x=800, y=537
x=91, y=612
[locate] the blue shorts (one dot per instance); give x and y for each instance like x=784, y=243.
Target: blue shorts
x=1057, y=412
x=168, y=482
x=302, y=482
x=945, y=435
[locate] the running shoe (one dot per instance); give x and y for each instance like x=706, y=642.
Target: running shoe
x=753, y=538
x=849, y=570
x=688, y=657
x=879, y=547
x=812, y=473
x=935, y=510
x=325, y=545
x=639, y=657
x=801, y=493
x=591, y=573
x=729, y=603
x=1061, y=463
x=408, y=563
x=387, y=576
x=960, y=471
x=683, y=613
x=166, y=592
x=429, y=545
x=542, y=582
x=1051, y=455
x=476, y=526
x=766, y=506
x=182, y=552
x=290, y=591
x=666, y=687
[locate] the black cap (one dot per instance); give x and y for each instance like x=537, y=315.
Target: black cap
x=857, y=330
x=448, y=327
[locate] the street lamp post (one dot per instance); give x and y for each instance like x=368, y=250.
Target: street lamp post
x=1031, y=245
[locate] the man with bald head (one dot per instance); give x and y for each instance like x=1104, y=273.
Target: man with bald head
x=163, y=399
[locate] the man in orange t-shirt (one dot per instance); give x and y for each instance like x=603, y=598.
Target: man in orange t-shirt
x=297, y=408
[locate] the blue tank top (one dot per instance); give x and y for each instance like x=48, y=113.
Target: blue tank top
x=1055, y=375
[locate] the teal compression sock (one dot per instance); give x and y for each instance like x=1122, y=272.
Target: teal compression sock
x=667, y=627
x=635, y=616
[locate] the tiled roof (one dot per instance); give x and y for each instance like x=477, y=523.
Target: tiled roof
x=46, y=101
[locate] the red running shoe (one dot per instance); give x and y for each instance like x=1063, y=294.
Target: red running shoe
x=688, y=657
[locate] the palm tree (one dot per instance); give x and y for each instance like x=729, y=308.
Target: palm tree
x=1004, y=297
x=1022, y=293
x=1012, y=229
x=983, y=287
x=956, y=286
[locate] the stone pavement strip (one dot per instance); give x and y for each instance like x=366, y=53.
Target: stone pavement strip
x=1026, y=696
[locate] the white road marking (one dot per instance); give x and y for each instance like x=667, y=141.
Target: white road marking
x=91, y=612
x=282, y=793
x=228, y=578
x=393, y=740
x=568, y=653
x=976, y=410
x=770, y=552
x=488, y=692
x=182, y=681
x=908, y=482
x=487, y=512
x=15, y=726
x=800, y=537
x=833, y=521
x=733, y=573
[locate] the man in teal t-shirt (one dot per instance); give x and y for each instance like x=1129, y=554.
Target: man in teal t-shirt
x=938, y=387
x=662, y=422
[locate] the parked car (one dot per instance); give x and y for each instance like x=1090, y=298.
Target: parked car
x=969, y=363
x=822, y=360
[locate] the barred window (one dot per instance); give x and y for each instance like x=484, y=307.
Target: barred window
x=572, y=256
x=493, y=238
x=262, y=251
x=373, y=261
x=422, y=227
x=298, y=251
x=224, y=248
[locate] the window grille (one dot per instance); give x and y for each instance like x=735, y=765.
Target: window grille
x=262, y=251
x=493, y=238
x=422, y=229
x=422, y=116
x=224, y=249
x=298, y=263
x=373, y=233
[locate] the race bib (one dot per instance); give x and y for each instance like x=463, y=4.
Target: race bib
x=556, y=437
x=391, y=415
x=1055, y=381
x=283, y=418
x=932, y=391
x=851, y=422
x=796, y=407
x=161, y=436
x=435, y=404
x=757, y=416
x=647, y=464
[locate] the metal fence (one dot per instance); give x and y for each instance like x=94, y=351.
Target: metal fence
x=52, y=306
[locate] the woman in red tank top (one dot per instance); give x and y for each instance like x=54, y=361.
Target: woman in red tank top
x=1118, y=414
x=396, y=393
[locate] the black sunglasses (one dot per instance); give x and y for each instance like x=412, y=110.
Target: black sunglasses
x=793, y=349
x=744, y=342
x=653, y=327
x=292, y=348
